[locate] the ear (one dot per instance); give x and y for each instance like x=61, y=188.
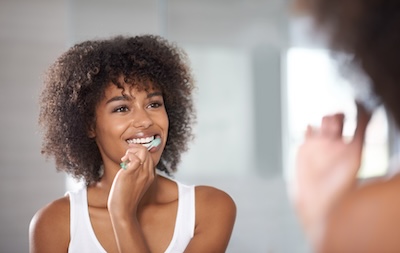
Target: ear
x=91, y=133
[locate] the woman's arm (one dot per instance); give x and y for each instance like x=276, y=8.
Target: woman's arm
x=128, y=188
x=49, y=228
x=326, y=172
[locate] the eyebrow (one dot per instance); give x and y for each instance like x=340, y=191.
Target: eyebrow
x=125, y=97
x=154, y=94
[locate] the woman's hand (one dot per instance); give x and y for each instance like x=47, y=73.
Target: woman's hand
x=131, y=183
x=128, y=188
x=326, y=168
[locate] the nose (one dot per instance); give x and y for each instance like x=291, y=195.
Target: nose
x=141, y=119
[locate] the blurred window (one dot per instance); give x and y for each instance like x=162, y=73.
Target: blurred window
x=314, y=89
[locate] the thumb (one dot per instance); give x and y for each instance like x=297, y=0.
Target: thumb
x=363, y=118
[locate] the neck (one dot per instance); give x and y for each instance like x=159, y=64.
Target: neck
x=106, y=181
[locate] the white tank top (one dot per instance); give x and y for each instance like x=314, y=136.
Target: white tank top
x=83, y=238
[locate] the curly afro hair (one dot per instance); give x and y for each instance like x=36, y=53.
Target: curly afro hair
x=367, y=31
x=76, y=82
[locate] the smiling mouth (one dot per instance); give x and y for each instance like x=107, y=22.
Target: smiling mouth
x=143, y=141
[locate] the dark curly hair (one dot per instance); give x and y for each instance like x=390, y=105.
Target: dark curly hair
x=368, y=31
x=76, y=82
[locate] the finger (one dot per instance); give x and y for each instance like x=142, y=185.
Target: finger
x=363, y=118
x=130, y=156
x=139, y=150
x=332, y=125
x=131, y=160
x=128, y=164
x=309, y=132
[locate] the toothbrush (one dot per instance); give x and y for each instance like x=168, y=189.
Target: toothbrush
x=152, y=144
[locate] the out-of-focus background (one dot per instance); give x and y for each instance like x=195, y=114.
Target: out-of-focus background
x=261, y=78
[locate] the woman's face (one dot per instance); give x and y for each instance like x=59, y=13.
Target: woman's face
x=131, y=116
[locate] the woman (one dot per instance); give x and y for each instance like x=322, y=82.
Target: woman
x=114, y=112
x=337, y=213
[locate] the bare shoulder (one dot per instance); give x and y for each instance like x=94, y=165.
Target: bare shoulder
x=49, y=227
x=213, y=204
x=367, y=220
x=208, y=196
x=377, y=201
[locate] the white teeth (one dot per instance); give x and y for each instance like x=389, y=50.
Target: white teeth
x=140, y=140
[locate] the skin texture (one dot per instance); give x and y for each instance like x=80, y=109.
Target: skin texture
x=339, y=214
x=134, y=210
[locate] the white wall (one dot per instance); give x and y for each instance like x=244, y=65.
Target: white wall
x=32, y=34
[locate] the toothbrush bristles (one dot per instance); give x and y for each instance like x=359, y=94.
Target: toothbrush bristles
x=154, y=143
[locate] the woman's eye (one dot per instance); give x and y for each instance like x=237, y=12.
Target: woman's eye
x=155, y=105
x=121, y=109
